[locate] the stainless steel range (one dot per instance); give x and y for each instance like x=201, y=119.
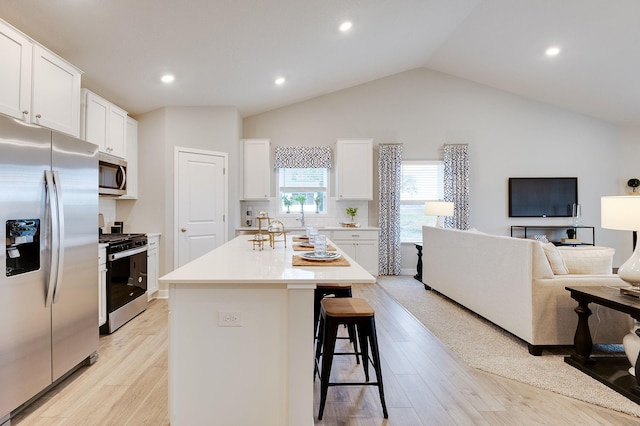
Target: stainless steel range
x=126, y=278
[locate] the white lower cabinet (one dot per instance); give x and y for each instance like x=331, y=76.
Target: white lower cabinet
x=102, y=285
x=360, y=245
x=152, y=265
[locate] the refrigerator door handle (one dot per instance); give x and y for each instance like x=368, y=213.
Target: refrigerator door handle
x=55, y=240
x=60, y=205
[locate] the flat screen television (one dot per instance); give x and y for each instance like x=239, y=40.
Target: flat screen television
x=542, y=196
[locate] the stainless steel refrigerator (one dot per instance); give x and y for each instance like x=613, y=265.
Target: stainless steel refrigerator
x=49, y=270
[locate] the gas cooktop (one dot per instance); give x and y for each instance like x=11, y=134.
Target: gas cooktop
x=117, y=238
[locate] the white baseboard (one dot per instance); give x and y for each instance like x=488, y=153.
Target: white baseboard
x=160, y=294
x=411, y=272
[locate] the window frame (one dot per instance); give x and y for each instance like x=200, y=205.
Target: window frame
x=295, y=207
x=416, y=236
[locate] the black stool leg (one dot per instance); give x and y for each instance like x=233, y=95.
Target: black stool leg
x=319, y=340
x=351, y=329
x=376, y=361
x=363, y=333
x=329, y=344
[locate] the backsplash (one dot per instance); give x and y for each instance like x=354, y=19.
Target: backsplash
x=107, y=206
x=337, y=213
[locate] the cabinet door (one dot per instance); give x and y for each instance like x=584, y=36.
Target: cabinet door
x=102, y=287
x=367, y=255
x=152, y=266
x=117, y=133
x=257, y=174
x=96, y=117
x=132, y=159
x=15, y=73
x=152, y=273
x=56, y=93
x=354, y=169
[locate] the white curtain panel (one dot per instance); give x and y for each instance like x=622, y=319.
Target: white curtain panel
x=456, y=184
x=389, y=188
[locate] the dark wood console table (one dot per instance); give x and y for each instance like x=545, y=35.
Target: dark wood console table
x=609, y=370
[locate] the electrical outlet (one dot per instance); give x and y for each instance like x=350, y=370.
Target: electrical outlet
x=230, y=319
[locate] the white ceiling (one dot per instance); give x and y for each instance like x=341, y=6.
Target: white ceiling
x=230, y=52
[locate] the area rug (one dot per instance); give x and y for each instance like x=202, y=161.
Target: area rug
x=502, y=353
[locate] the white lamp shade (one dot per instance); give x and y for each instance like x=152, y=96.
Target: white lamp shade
x=620, y=212
x=438, y=208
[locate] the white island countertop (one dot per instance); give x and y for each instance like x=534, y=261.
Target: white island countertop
x=237, y=262
x=241, y=335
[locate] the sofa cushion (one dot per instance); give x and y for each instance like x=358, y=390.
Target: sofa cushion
x=588, y=260
x=555, y=259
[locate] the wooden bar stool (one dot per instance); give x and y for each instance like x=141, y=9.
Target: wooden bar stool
x=351, y=311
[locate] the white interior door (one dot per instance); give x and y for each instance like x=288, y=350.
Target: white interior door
x=200, y=203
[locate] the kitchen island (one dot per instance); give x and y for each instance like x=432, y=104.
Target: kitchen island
x=241, y=335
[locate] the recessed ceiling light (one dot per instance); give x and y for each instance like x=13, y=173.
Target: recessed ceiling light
x=280, y=81
x=167, y=78
x=552, y=51
x=345, y=26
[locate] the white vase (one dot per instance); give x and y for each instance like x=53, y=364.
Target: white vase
x=631, y=343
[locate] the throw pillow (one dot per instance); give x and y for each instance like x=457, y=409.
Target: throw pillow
x=588, y=260
x=555, y=259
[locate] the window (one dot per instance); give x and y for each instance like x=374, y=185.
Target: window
x=421, y=181
x=302, y=186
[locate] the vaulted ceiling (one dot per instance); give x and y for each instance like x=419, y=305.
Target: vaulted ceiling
x=230, y=52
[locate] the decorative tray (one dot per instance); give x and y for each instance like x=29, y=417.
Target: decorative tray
x=324, y=258
x=350, y=224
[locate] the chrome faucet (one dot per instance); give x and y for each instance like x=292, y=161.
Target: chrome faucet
x=301, y=219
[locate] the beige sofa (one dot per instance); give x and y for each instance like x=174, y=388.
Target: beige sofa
x=510, y=282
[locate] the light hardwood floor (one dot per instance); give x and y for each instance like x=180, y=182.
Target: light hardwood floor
x=425, y=383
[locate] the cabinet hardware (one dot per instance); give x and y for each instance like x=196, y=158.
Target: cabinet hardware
x=25, y=112
x=38, y=115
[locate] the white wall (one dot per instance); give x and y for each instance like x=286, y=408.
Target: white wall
x=159, y=132
x=508, y=136
x=629, y=167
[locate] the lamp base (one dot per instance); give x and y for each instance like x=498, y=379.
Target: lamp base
x=630, y=270
x=631, y=343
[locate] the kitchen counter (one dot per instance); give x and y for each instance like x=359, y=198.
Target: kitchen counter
x=241, y=334
x=302, y=230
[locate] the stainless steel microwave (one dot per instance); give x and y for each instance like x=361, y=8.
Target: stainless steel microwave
x=112, y=176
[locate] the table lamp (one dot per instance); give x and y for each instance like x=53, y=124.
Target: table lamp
x=438, y=208
x=623, y=213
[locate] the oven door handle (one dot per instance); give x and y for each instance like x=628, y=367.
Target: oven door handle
x=126, y=253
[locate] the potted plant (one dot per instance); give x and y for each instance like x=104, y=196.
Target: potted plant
x=286, y=200
x=317, y=199
x=351, y=211
x=633, y=183
x=301, y=199
x=571, y=233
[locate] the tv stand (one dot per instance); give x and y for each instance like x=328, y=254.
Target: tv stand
x=523, y=231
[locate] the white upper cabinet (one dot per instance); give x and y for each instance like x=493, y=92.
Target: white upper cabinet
x=257, y=173
x=36, y=85
x=354, y=169
x=16, y=52
x=132, y=159
x=56, y=93
x=104, y=124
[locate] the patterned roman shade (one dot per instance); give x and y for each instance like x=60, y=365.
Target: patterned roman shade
x=302, y=157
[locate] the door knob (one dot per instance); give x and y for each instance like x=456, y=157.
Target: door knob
x=183, y=230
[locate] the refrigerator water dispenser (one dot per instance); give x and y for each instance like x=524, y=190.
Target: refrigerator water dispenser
x=23, y=246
